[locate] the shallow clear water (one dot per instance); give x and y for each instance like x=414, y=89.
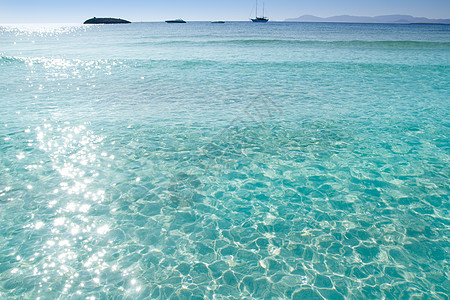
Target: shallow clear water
x=232, y=160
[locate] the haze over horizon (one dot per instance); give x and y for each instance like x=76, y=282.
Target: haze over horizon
x=52, y=11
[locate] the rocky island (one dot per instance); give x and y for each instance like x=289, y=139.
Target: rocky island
x=106, y=21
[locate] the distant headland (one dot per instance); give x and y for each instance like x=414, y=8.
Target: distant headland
x=95, y=20
x=399, y=19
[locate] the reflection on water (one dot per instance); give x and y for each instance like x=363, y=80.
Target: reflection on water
x=68, y=239
x=259, y=225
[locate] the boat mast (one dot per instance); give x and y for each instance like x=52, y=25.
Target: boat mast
x=256, y=12
x=263, y=10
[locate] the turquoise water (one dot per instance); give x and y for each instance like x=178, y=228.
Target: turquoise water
x=224, y=161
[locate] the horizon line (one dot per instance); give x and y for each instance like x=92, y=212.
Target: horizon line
x=292, y=20
x=287, y=20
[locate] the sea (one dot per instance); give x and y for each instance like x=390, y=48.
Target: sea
x=224, y=161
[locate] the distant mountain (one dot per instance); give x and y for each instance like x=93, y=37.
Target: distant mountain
x=379, y=19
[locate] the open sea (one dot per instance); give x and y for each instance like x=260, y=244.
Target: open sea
x=224, y=161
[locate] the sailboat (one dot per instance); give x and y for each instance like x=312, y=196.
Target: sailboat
x=257, y=19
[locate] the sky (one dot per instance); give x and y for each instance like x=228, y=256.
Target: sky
x=70, y=11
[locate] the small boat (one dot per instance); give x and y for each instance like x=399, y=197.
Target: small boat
x=260, y=20
x=217, y=22
x=176, y=21
x=257, y=19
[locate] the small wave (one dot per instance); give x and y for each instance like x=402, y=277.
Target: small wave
x=393, y=44
x=54, y=62
x=352, y=43
x=11, y=59
x=58, y=63
x=312, y=43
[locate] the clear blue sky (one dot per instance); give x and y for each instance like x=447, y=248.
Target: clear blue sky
x=19, y=11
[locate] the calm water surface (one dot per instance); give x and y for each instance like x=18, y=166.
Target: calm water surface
x=226, y=161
